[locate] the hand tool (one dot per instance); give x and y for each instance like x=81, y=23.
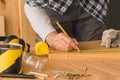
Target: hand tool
x=17, y=76
x=65, y=32
x=41, y=48
x=86, y=51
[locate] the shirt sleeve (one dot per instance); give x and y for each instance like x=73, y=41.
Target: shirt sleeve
x=39, y=20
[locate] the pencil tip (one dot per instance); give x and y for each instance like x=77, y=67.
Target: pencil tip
x=78, y=49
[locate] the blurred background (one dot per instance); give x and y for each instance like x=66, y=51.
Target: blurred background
x=113, y=19
x=14, y=22
x=13, y=19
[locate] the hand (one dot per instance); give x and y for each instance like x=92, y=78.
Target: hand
x=110, y=38
x=60, y=41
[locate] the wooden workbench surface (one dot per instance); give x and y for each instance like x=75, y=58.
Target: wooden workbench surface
x=92, y=45
x=100, y=68
x=89, y=50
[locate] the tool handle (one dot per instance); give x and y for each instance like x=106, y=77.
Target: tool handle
x=17, y=76
x=2, y=38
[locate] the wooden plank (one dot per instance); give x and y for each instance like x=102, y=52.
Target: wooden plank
x=90, y=46
x=94, y=45
x=2, y=26
x=89, y=50
x=99, y=69
x=27, y=32
x=12, y=18
x=86, y=56
x=2, y=7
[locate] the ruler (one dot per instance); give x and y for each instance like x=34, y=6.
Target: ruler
x=84, y=51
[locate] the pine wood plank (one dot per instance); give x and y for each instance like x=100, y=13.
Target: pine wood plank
x=89, y=50
x=101, y=66
x=99, y=69
x=12, y=18
x=26, y=31
x=2, y=7
x=2, y=26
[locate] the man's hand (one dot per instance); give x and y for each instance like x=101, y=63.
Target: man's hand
x=111, y=38
x=60, y=41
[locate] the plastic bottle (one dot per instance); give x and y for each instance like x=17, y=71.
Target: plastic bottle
x=33, y=63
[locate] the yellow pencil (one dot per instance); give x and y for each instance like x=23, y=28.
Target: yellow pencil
x=58, y=24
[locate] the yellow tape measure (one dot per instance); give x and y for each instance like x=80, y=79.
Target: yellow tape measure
x=41, y=48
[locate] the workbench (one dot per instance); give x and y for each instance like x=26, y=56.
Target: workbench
x=100, y=65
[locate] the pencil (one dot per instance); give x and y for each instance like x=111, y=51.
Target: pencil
x=58, y=24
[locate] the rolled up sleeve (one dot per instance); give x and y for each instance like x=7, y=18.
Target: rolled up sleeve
x=39, y=21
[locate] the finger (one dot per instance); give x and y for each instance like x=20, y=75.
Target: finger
x=70, y=41
x=62, y=45
x=75, y=41
x=63, y=48
x=115, y=42
x=103, y=43
x=108, y=42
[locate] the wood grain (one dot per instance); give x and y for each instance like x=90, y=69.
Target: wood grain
x=12, y=18
x=90, y=49
x=100, y=67
x=26, y=31
x=2, y=26
x=2, y=8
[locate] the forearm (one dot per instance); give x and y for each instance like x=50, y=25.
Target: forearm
x=39, y=21
x=41, y=24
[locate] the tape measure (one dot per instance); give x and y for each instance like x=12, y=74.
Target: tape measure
x=41, y=48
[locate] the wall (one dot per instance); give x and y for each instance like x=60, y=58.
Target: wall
x=113, y=20
x=9, y=9
x=15, y=20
